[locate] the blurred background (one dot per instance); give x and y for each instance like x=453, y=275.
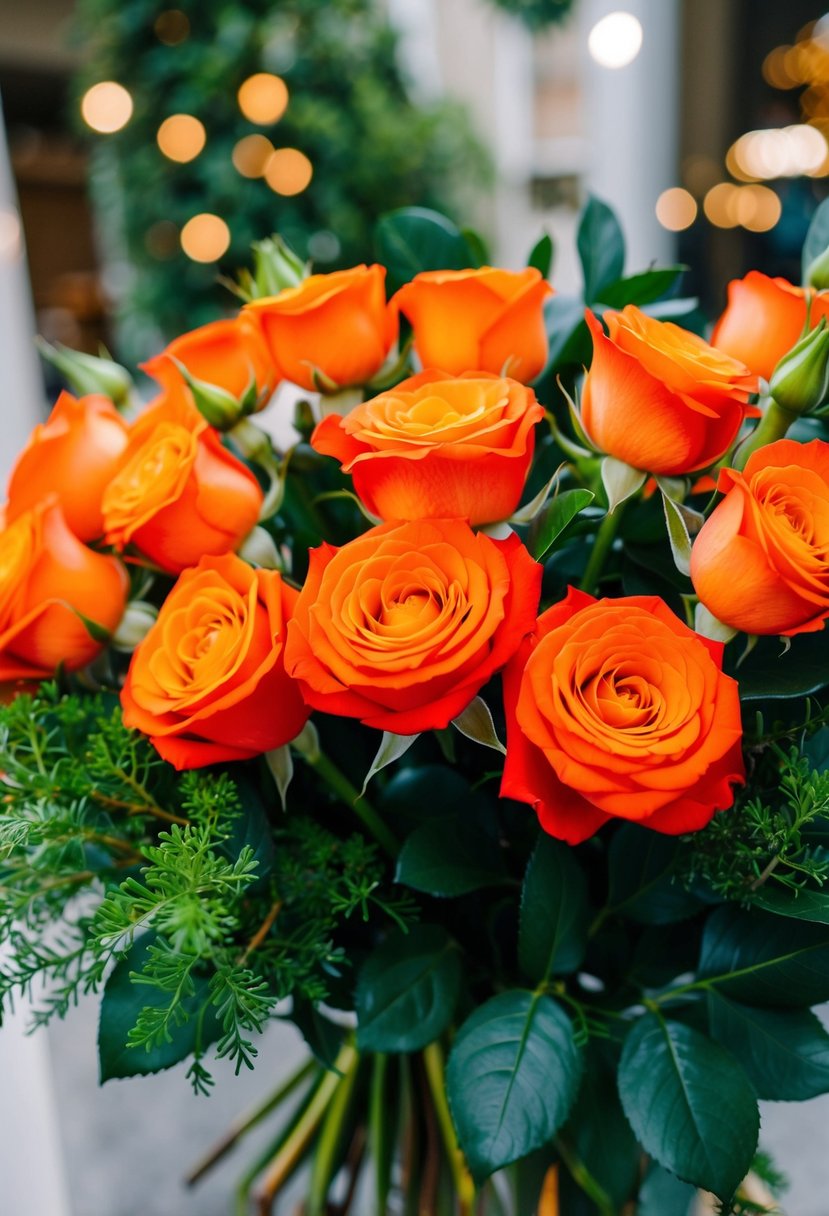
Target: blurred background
x=144, y=144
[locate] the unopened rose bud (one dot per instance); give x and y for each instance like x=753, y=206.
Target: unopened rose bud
x=817, y=274
x=87, y=374
x=275, y=267
x=259, y=549
x=137, y=621
x=800, y=382
x=221, y=409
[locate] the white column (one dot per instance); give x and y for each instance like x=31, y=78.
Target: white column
x=632, y=125
x=31, y=1164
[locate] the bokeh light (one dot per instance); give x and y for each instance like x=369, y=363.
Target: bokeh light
x=720, y=205
x=676, y=209
x=106, y=107
x=181, y=137
x=205, y=237
x=778, y=152
x=251, y=155
x=615, y=40
x=289, y=171
x=263, y=98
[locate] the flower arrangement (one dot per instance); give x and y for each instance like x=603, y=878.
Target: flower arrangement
x=435, y=733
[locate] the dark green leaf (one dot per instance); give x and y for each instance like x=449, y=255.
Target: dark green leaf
x=451, y=856
x=765, y=960
x=407, y=990
x=414, y=239
x=560, y=512
x=599, y=1132
x=799, y=904
x=817, y=238
x=567, y=333
x=478, y=252
x=689, y=1103
x=784, y=1052
x=120, y=1006
x=554, y=915
x=429, y=791
x=816, y=750
x=662, y=1194
x=642, y=288
x=511, y=1078
x=541, y=255
x=601, y=245
x=768, y=673
x=642, y=872
x=324, y=1037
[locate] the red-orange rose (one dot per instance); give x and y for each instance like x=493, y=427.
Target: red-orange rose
x=338, y=325
x=616, y=709
x=659, y=398
x=208, y=681
x=438, y=447
x=760, y=563
x=764, y=319
x=231, y=354
x=487, y=319
x=73, y=454
x=50, y=582
x=404, y=625
x=178, y=493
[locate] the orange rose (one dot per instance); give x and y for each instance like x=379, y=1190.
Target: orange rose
x=49, y=582
x=337, y=325
x=231, y=354
x=764, y=319
x=485, y=319
x=208, y=681
x=178, y=494
x=761, y=562
x=438, y=447
x=402, y=626
x=616, y=709
x=73, y=454
x=659, y=398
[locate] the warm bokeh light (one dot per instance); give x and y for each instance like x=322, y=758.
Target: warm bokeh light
x=289, y=171
x=172, y=26
x=775, y=71
x=106, y=107
x=616, y=40
x=720, y=205
x=758, y=208
x=778, y=152
x=676, y=209
x=181, y=137
x=263, y=98
x=205, y=237
x=251, y=155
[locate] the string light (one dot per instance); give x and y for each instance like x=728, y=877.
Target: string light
x=616, y=40
x=676, y=209
x=263, y=98
x=289, y=171
x=251, y=155
x=205, y=237
x=106, y=107
x=181, y=137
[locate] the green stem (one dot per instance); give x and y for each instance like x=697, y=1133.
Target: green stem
x=381, y=1138
x=773, y=425
x=601, y=547
x=337, y=781
x=464, y=1186
x=329, y=1142
x=584, y=1179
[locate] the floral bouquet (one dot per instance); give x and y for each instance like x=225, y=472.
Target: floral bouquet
x=482, y=732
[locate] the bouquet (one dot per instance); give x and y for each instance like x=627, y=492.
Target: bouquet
x=482, y=732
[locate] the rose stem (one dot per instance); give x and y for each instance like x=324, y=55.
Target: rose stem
x=773, y=425
x=601, y=547
x=464, y=1186
x=329, y=1138
x=339, y=783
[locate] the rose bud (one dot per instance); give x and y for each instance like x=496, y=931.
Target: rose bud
x=764, y=319
x=800, y=381
x=487, y=319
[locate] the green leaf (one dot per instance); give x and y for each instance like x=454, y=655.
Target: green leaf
x=428, y=791
x=816, y=750
x=121, y=1004
x=475, y=722
x=801, y=904
x=552, y=937
x=601, y=245
x=478, y=252
x=765, y=960
x=817, y=238
x=512, y=1077
x=559, y=514
x=391, y=748
x=567, y=334
x=664, y=1195
x=784, y=1052
x=689, y=1103
x=621, y=481
x=324, y=1037
x=451, y=856
x=541, y=255
x=414, y=239
x=527, y=513
x=641, y=288
x=599, y=1132
x=642, y=869
x=683, y=523
x=407, y=990
x=768, y=673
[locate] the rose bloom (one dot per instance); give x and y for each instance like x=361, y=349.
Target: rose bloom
x=73, y=454
x=49, y=582
x=402, y=626
x=436, y=446
x=760, y=563
x=208, y=682
x=487, y=319
x=178, y=493
x=336, y=324
x=231, y=354
x=659, y=398
x=764, y=319
x=616, y=709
